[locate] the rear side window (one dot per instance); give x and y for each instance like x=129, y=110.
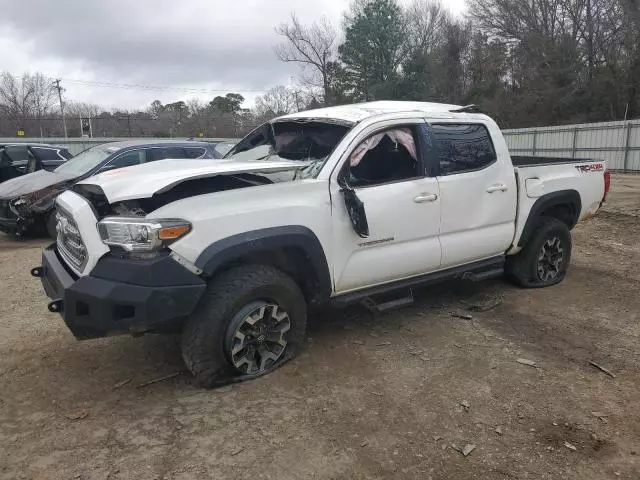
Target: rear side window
x=193, y=152
x=161, y=153
x=462, y=147
x=47, y=153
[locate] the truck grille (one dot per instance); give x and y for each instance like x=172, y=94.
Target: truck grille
x=69, y=241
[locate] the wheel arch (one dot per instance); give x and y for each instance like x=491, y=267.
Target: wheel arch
x=294, y=249
x=564, y=205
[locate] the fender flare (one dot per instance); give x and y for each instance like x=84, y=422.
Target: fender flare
x=570, y=198
x=275, y=238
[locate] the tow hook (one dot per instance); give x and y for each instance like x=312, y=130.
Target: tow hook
x=57, y=306
x=36, y=272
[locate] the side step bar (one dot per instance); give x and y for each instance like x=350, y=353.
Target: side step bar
x=477, y=271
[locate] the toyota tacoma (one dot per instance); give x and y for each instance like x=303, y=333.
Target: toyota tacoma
x=331, y=206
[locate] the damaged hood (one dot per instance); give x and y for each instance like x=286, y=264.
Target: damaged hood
x=30, y=183
x=143, y=181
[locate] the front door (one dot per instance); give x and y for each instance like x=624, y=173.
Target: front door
x=402, y=205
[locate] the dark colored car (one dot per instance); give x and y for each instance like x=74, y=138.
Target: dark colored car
x=21, y=158
x=27, y=202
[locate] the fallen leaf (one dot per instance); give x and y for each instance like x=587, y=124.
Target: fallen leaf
x=470, y=447
x=499, y=430
x=365, y=443
x=79, y=415
x=569, y=446
x=524, y=361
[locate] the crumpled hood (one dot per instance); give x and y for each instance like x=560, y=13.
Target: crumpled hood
x=30, y=183
x=143, y=181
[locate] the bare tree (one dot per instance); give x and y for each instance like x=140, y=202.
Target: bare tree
x=426, y=21
x=277, y=101
x=313, y=47
x=16, y=96
x=43, y=96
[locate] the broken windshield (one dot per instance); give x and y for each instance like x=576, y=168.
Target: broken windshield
x=310, y=142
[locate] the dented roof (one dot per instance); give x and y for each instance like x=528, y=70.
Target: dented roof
x=361, y=111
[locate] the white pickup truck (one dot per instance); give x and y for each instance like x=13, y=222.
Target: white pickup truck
x=335, y=205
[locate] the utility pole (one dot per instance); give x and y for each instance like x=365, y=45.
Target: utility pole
x=59, y=88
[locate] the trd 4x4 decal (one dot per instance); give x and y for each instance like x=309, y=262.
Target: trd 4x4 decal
x=596, y=167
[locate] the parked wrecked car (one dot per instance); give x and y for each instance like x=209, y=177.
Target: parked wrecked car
x=23, y=158
x=27, y=202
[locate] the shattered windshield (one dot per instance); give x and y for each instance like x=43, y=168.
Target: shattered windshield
x=309, y=142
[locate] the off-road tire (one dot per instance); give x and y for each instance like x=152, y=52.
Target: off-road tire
x=522, y=268
x=203, y=338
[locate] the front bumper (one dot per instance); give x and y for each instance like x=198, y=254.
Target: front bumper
x=104, y=303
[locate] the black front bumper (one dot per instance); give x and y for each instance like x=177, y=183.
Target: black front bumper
x=106, y=304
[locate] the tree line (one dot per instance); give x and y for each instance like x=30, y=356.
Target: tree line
x=525, y=62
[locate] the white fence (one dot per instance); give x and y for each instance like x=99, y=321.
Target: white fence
x=618, y=143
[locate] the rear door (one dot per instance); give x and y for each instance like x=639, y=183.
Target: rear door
x=16, y=160
x=478, y=192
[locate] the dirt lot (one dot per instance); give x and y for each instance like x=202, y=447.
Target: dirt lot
x=382, y=397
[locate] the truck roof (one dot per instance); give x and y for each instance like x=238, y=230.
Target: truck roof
x=360, y=111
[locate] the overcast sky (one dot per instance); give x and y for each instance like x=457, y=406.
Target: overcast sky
x=199, y=44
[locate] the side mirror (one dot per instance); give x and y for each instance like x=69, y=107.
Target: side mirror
x=355, y=208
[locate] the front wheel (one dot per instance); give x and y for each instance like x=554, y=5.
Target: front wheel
x=251, y=320
x=544, y=260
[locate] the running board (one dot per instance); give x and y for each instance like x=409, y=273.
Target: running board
x=400, y=302
x=482, y=276
x=482, y=270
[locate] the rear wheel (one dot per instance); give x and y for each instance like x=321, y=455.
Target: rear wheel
x=251, y=320
x=544, y=260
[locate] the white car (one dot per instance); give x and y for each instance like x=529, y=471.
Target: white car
x=335, y=205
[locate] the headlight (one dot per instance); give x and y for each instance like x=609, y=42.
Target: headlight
x=139, y=235
x=18, y=206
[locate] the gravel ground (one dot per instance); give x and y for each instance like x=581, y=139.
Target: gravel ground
x=392, y=396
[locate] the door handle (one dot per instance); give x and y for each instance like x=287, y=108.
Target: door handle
x=497, y=188
x=426, y=197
